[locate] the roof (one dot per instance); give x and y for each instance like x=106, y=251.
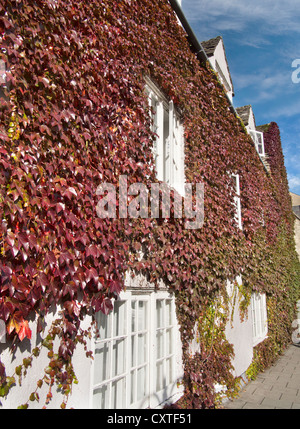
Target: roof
x=209, y=47
x=296, y=211
x=295, y=199
x=244, y=113
x=263, y=128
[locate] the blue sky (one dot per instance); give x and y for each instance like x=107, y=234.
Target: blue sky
x=262, y=39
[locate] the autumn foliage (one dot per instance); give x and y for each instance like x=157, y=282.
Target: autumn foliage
x=74, y=114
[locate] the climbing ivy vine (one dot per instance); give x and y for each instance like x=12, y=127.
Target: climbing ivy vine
x=73, y=115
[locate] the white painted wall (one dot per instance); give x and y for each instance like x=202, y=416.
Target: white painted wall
x=18, y=395
x=297, y=235
x=239, y=334
x=81, y=397
x=219, y=57
x=251, y=125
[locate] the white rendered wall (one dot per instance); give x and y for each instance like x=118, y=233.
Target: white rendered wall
x=297, y=235
x=81, y=396
x=219, y=56
x=239, y=334
x=251, y=124
x=18, y=395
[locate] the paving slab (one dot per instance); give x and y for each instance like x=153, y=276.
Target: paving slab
x=276, y=388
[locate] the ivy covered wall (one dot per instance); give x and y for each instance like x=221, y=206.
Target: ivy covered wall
x=75, y=115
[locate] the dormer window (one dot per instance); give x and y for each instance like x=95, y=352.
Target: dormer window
x=258, y=139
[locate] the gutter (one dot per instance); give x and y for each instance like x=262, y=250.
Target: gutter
x=200, y=52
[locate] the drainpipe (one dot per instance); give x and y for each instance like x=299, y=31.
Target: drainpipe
x=200, y=53
x=203, y=58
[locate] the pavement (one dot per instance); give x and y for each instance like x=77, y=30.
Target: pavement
x=278, y=387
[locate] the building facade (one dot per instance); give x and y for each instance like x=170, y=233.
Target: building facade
x=296, y=209
x=175, y=305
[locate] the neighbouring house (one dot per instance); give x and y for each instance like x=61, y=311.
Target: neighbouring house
x=215, y=51
x=256, y=132
x=115, y=134
x=296, y=210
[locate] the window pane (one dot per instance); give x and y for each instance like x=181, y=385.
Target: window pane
x=141, y=383
x=169, y=347
x=166, y=148
x=133, y=316
x=122, y=359
x=154, y=113
x=133, y=387
x=104, y=325
x=101, y=360
x=169, y=371
x=263, y=313
x=259, y=316
x=159, y=344
x=142, y=315
x=118, y=357
x=119, y=322
x=168, y=312
x=118, y=393
x=159, y=313
x=133, y=350
x=100, y=397
x=253, y=318
x=160, y=376
x=142, y=348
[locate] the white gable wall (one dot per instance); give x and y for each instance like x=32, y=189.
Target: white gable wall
x=218, y=62
x=18, y=395
x=239, y=332
x=251, y=124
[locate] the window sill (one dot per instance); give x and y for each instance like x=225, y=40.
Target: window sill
x=259, y=340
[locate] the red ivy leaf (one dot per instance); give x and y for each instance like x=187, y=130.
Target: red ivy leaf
x=20, y=325
x=106, y=306
x=6, y=309
x=72, y=308
x=24, y=331
x=115, y=286
x=50, y=259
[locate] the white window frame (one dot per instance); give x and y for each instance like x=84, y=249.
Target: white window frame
x=169, y=145
x=129, y=367
x=258, y=138
x=259, y=317
x=2, y=72
x=237, y=200
x=2, y=79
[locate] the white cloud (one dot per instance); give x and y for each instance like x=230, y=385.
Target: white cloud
x=261, y=76
x=274, y=16
x=264, y=79
x=294, y=183
x=267, y=84
x=271, y=12
x=286, y=110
